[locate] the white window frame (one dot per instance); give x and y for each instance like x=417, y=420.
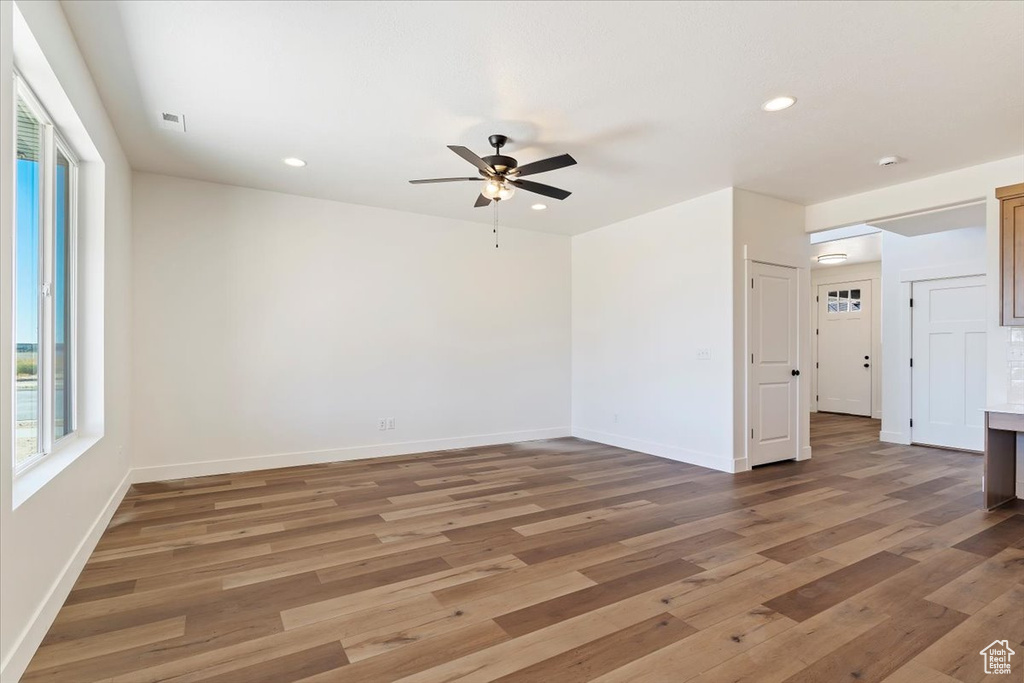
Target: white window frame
x=52, y=140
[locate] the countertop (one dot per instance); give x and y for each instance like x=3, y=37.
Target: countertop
x=1008, y=408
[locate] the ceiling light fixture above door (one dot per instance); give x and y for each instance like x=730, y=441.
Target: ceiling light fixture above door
x=831, y=258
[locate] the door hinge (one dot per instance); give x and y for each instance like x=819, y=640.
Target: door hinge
x=815, y=331
x=911, y=362
x=911, y=422
x=751, y=359
x=817, y=365
x=751, y=283
x=751, y=433
x=911, y=302
x=816, y=397
x=817, y=298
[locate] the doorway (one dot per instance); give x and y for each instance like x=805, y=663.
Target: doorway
x=844, y=376
x=948, y=340
x=773, y=382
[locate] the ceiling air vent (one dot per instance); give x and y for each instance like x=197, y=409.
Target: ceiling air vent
x=173, y=121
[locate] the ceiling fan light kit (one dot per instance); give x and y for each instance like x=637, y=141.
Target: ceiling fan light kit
x=502, y=174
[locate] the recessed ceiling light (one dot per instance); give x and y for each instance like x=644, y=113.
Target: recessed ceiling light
x=889, y=161
x=294, y=161
x=831, y=258
x=539, y=207
x=779, y=103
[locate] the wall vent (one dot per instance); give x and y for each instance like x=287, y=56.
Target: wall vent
x=172, y=121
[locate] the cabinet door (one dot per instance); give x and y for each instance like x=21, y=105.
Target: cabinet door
x=1012, y=210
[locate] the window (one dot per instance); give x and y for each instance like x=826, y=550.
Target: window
x=844, y=301
x=44, y=289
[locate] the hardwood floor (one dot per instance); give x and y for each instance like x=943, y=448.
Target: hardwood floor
x=555, y=561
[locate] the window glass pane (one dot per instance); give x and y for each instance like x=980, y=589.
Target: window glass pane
x=844, y=300
x=27, y=284
x=854, y=293
x=62, y=273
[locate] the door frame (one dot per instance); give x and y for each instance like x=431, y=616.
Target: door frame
x=910, y=310
x=829, y=276
x=804, y=343
x=816, y=375
x=904, y=399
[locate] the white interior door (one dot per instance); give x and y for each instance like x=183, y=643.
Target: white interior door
x=773, y=382
x=844, y=348
x=948, y=366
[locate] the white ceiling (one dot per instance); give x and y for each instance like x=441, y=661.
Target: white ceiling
x=659, y=102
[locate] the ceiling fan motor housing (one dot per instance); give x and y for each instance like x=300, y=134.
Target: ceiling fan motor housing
x=500, y=163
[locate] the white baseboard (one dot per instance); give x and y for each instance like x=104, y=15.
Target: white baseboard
x=1020, y=490
x=28, y=640
x=709, y=460
x=894, y=437
x=267, y=462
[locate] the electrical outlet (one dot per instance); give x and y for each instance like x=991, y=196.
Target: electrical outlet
x=703, y=354
x=391, y=423
x=382, y=424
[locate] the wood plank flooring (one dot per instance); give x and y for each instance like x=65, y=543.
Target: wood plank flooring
x=555, y=561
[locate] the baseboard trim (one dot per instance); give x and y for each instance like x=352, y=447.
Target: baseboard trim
x=894, y=437
x=805, y=453
x=276, y=460
x=27, y=642
x=691, y=457
x=1020, y=490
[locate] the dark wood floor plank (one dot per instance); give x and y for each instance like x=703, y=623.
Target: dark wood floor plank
x=821, y=540
x=995, y=539
x=885, y=648
x=818, y=595
x=560, y=609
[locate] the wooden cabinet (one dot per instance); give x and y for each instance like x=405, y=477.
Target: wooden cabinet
x=1011, y=220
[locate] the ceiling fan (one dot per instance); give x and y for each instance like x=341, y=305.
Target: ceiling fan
x=502, y=175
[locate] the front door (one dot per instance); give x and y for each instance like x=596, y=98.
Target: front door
x=948, y=366
x=844, y=348
x=773, y=385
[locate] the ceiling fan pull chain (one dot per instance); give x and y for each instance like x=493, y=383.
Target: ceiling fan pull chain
x=496, y=202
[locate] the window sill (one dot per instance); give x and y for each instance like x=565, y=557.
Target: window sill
x=29, y=482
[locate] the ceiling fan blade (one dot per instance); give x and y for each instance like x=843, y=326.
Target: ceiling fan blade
x=468, y=155
x=481, y=201
x=440, y=180
x=545, y=165
x=541, y=188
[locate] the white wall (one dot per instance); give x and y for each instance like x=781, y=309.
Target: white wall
x=46, y=539
x=768, y=230
x=904, y=260
x=273, y=329
x=647, y=293
x=835, y=274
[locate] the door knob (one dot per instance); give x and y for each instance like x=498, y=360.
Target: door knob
x=796, y=373
x=867, y=365
x=866, y=358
